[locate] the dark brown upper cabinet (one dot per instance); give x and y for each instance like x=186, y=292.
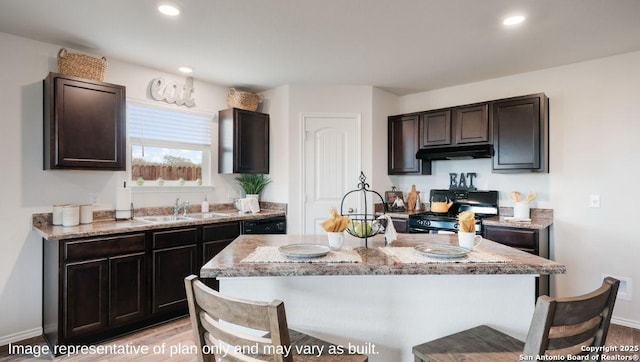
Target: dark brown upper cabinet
x=243, y=141
x=84, y=124
x=455, y=126
x=403, y=144
x=472, y=124
x=521, y=134
x=435, y=128
x=517, y=130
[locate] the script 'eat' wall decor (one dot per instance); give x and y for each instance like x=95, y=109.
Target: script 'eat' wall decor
x=172, y=92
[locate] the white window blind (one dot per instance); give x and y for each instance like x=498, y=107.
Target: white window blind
x=155, y=123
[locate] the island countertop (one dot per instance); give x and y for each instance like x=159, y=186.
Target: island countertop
x=228, y=263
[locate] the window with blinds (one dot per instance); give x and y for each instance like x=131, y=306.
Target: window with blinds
x=168, y=146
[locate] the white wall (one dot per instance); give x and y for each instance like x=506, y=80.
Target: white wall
x=275, y=102
x=594, y=128
x=324, y=99
x=27, y=189
x=384, y=105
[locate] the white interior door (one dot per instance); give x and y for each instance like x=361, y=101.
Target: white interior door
x=330, y=165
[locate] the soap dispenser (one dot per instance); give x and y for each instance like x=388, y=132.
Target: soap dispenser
x=205, y=205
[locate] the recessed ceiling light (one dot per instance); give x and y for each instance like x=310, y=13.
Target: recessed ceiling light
x=169, y=9
x=186, y=69
x=513, y=20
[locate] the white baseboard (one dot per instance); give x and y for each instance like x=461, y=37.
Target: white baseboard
x=11, y=338
x=626, y=322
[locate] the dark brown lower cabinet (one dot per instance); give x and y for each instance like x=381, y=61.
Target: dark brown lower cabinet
x=174, y=258
x=92, y=286
x=100, y=287
x=128, y=288
x=86, y=297
x=104, y=293
x=532, y=241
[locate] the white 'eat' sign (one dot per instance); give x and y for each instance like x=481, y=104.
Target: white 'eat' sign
x=172, y=92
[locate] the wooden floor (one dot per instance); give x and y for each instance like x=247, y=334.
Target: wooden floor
x=176, y=336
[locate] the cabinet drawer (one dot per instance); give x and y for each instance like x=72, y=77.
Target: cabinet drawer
x=171, y=238
x=524, y=239
x=224, y=231
x=103, y=247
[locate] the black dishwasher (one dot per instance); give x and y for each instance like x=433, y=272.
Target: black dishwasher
x=268, y=225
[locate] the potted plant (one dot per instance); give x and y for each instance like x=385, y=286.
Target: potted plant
x=253, y=184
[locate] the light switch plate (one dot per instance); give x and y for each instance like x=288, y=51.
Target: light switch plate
x=594, y=201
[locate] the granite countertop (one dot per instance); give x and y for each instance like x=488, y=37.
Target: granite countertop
x=111, y=226
x=374, y=261
x=535, y=223
x=540, y=218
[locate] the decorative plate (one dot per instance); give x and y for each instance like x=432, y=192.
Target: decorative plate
x=304, y=250
x=442, y=250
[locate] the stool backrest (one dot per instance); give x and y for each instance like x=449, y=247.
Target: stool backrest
x=216, y=339
x=576, y=325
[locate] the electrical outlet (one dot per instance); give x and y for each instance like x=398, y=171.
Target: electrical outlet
x=625, y=290
x=93, y=198
x=594, y=201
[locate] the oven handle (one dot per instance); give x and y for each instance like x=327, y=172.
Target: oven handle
x=418, y=230
x=435, y=231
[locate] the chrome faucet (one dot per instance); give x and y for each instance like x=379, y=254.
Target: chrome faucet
x=180, y=205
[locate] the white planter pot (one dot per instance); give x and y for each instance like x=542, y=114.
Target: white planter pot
x=253, y=196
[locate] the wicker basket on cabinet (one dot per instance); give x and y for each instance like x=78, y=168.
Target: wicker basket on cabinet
x=80, y=65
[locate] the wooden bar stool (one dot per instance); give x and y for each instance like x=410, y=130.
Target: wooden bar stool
x=225, y=342
x=559, y=326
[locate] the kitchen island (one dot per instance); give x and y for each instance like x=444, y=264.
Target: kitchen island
x=379, y=304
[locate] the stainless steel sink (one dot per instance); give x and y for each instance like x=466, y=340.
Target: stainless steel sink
x=172, y=218
x=164, y=218
x=207, y=215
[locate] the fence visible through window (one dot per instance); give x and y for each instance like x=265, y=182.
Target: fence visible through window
x=167, y=172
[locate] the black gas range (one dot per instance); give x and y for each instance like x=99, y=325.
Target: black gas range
x=482, y=203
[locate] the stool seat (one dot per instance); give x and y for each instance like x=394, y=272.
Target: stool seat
x=481, y=343
x=560, y=326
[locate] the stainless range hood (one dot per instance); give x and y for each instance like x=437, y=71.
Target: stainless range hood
x=456, y=152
